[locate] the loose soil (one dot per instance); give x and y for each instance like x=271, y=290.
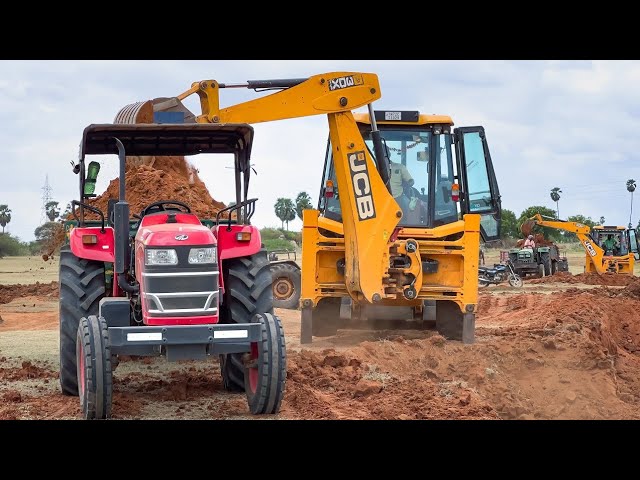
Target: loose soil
x=550, y=354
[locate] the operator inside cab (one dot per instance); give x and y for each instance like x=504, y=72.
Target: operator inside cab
x=610, y=245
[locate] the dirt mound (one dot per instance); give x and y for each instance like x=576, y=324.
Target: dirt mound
x=344, y=386
x=169, y=178
x=606, y=279
x=10, y=292
x=26, y=371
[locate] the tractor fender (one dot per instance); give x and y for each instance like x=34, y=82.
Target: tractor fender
x=102, y=250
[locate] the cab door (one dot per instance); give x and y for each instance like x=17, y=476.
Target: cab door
x=480, y=193
x=633, y=243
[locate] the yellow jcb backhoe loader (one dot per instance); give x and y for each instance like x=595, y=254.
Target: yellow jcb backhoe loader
x=607, y=249
x=402, y=207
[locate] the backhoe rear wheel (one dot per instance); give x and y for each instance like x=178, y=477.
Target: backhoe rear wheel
x=286, y=285
x=248, y=292
x=82, y=285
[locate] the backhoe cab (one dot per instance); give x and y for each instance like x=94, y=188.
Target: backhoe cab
x=379, y=245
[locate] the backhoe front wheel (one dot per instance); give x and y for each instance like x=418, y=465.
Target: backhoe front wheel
x=93, y=357
x=265, y=368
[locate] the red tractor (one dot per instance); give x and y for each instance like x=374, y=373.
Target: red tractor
x=165, y=282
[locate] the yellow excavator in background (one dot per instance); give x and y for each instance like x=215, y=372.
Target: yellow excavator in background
x=402, y=207
x=607, y=249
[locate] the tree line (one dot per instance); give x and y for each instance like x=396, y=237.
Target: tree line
x=287, y=209
x=12, y=245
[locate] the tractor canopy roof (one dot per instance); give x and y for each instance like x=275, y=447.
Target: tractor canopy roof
x=167, y=139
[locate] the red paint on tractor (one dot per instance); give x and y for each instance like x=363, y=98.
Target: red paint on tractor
x=202, y=320
x=102, y=251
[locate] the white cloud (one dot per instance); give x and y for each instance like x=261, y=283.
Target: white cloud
x=570, y=124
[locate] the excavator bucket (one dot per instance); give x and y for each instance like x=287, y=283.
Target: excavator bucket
x=158, y=110
x=527, y=227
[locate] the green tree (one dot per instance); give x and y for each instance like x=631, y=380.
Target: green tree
x=601, y=222
x=555, y=196
x=549, y=233
x=631, y=186
x=52, y=211
x=46, y=231
x=285, y=210
x=303, y=202
x=510, y=227
x=5, y=216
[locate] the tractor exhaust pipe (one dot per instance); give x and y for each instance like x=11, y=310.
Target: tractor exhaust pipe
x=121, y=221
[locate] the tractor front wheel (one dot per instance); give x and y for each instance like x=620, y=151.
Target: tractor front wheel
x=248, y=292
x=265, y=368
x=93, y=357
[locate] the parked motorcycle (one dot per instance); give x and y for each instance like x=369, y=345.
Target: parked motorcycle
x=500, y=273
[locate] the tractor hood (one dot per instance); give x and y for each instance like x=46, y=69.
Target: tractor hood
x=175, y=234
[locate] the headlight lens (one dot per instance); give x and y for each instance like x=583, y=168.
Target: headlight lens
x=202, y=255
x=161, y=257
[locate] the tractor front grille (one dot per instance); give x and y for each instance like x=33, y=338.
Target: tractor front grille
x=177, y=294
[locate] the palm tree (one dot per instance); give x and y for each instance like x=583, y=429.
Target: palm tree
x=631, y=186
x=285, y=210
x=555, y=196
x=601, y=220
x=5, y=216
x=303, y=202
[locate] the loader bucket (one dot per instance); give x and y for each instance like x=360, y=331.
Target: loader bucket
x=151, y=111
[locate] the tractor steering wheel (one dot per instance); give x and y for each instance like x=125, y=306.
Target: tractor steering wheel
x=161, y=206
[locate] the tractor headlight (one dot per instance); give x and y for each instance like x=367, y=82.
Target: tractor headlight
x=161, y=257
x=202, y=255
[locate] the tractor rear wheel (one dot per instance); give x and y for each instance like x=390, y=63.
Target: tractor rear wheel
x=93, y=355
x=546, y=262
x=286, y=285
x=248, y=291
x=266, y=370
x=82, y=285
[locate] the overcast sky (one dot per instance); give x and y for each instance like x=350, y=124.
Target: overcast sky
x=567, y=124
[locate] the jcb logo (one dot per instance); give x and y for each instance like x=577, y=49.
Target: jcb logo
x=344, y=82
x=361, y=185
x=590, y=248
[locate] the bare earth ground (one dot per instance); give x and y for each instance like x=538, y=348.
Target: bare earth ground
x=551, y=350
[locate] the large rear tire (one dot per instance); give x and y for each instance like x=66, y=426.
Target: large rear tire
x=286, y=285
x=265, y=373
x=546, y=262
x=248, y=291
x=94, y=373
x=82, y=285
